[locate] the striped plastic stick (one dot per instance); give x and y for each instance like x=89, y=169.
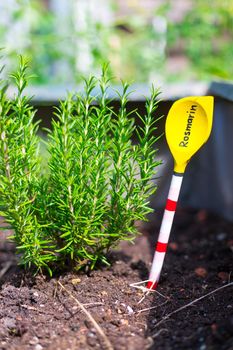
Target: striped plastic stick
x=165, y=230
x=188, y=126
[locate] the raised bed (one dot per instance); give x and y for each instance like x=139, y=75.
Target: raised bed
x=193, y=305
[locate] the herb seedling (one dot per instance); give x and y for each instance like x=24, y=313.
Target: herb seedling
x=96, y=184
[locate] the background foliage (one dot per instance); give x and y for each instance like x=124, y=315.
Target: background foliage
x=140, y=46
x=205, y=36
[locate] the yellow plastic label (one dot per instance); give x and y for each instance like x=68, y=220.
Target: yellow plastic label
x=188, y=126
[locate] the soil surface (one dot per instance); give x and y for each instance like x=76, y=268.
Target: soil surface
x=191, y=309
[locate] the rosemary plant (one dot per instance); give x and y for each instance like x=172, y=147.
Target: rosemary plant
x=20, y=172
x=97, y=182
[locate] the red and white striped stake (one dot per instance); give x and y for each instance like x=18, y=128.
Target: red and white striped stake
x=165, y=229
x=188, y=126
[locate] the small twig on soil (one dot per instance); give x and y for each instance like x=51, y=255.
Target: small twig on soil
x=159, y=332
x=55, y=292
x=94, y=304
x=92, y=320
x=32, y=308
x=145, y=290
x=151, y=308
x=166, y=317
x=5, y=268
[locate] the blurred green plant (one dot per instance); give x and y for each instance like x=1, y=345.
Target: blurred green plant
x=205, y=36
x=97, y=184
x=133, y=51
x=139, y=46
x=29, y=29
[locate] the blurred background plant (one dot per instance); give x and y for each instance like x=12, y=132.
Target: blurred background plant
x=150, y=41
x=204, y=37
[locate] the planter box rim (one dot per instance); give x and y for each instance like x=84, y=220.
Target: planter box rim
x=51, y=94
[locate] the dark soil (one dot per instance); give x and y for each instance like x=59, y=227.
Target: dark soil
x=36, y=313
